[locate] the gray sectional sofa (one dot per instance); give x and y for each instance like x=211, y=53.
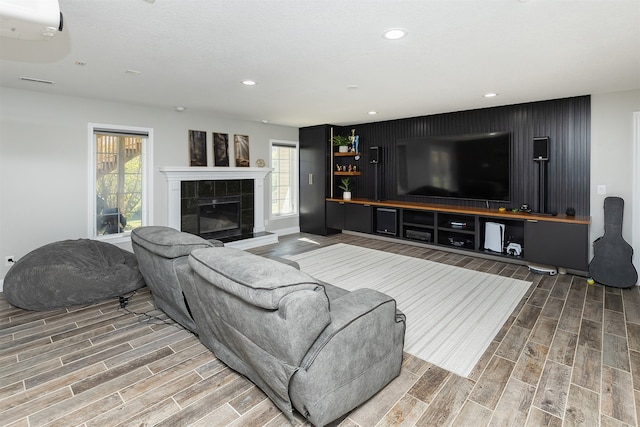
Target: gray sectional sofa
x=162, y=254
x=309, y=345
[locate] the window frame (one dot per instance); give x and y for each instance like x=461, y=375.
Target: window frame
x=295, y=184
x=147, y=178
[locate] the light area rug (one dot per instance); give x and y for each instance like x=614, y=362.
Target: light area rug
x=452, y=313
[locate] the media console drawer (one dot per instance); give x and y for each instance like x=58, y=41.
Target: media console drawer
x=346, y=216
x=558, y=244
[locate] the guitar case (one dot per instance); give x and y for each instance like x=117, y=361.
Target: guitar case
x=612, y=256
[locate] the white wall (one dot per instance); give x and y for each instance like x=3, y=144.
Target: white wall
x=43, y=161
x=612, y=149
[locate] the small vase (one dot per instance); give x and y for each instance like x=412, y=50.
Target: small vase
x=346, y=195
x=343, y=148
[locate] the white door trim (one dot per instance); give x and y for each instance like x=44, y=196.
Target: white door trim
x=635, y=210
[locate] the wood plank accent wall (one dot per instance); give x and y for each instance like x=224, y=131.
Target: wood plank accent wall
x=567, y=123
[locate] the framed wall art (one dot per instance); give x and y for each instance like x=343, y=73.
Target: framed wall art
x=220, y=149
x=241, y=145
x=198, y=148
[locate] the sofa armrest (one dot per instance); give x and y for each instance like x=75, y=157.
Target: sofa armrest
x=292, y=263
x=347, y=313
x=356, y=355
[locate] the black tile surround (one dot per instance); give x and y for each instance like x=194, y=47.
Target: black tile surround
x=190, y=191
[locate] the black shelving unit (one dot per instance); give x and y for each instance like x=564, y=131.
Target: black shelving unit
x=560, y=240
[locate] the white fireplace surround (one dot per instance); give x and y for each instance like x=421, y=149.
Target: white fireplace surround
x=176, y=174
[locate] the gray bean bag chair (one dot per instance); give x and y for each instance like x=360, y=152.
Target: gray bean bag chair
x=71, y=272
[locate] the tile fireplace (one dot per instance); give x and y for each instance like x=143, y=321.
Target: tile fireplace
x=193, y=191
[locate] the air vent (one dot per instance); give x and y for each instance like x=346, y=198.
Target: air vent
x=32, y=80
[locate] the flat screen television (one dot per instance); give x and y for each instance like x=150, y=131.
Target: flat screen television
x=474, y=167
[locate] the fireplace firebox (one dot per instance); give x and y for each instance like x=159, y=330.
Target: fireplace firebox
x=219, y=217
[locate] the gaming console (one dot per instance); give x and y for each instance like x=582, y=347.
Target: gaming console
x=458, y=224
x=494, y=237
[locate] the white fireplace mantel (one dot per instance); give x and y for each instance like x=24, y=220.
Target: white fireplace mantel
x=176, y=174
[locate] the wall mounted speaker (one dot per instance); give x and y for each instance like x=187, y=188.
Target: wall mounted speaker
x=541, y=148
x=374, y=155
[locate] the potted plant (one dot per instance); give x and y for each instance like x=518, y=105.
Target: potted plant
x=345, y=185
x=342, y=142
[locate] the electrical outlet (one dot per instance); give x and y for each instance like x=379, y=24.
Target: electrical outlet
x=9, y=260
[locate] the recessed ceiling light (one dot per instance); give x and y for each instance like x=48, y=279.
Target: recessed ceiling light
x=133, y=72
x=372, y=113
x=180, y=108
x=249, y=82
x=394, y=33
x=490, y=95
x=265, y=121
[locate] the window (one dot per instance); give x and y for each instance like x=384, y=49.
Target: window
x=119, y=167
x=284, y=178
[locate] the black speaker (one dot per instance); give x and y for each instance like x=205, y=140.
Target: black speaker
x=386, y=221
x=571, y=211
x=374, y=153
x=541, y=148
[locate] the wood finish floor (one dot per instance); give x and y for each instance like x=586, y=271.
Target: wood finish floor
x=568, y=355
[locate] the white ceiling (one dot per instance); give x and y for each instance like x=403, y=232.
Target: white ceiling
x=305, y=55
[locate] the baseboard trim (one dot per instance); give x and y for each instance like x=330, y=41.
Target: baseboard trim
x=254, y=242
x=285, y=231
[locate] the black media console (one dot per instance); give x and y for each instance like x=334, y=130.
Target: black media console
x=559, y=241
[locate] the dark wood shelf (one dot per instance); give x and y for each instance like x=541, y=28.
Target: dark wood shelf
x=484, y=212
x=347, y=154
x=346, y=173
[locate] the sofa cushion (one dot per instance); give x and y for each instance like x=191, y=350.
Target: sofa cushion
x=168, y=242
x=256, y=280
